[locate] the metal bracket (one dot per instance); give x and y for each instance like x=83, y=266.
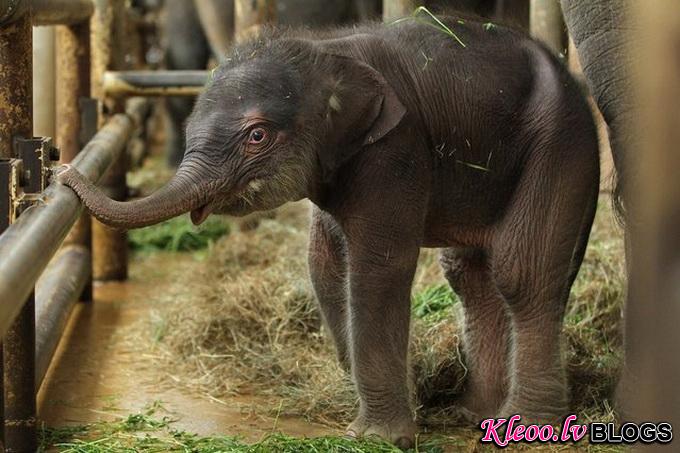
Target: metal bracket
x=22, y=180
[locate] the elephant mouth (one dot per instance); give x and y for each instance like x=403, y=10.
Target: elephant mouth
x=201, y=213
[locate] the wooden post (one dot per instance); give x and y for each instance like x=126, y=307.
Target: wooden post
x=653, y=312
x=250, y=15
x=547, y=25
x=16, y=120
x=396, y=9
x=109, y=247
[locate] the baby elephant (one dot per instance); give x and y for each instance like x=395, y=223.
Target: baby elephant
x=467, y=137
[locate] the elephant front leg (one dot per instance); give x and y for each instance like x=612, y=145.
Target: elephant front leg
x=380, y=284
x=328, y=272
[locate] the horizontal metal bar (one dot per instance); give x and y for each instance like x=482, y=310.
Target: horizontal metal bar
x=155, y=83
x=56, y=292
x=61, y=12
x=46, y=12
x=28, y=244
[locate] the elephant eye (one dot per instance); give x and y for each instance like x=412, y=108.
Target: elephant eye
x=257, y=136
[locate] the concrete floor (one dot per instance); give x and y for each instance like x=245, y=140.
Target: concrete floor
x=96, y=374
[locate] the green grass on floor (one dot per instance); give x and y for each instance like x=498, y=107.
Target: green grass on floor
x=434, y=303
x=178, y=235
x=147, y=432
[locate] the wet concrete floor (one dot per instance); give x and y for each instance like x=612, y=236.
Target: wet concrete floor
x=97, y=375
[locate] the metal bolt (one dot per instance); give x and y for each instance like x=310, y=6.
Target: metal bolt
x=54, y=154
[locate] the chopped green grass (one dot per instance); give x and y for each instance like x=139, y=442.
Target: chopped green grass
x=178, y=235
x=434, y=302
x=432, y=21
x=145, y=432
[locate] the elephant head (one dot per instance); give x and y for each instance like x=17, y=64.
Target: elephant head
x=278, y=118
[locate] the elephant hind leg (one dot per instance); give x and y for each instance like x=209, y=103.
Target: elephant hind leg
x=537, y=251
x=486, y=330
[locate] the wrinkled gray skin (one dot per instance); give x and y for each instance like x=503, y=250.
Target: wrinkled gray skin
x=195, y=30
x=602, y=33
x=488, y=152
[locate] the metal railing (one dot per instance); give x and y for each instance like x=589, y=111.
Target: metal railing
x=49, y=249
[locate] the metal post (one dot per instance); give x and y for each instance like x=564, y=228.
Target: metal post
x=250, y=15
x=547, y=25
x=396, y=9
x=16, y=120
x=109, y=247
x=43, y=81
x=73, y=90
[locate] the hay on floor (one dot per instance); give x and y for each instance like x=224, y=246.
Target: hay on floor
x=245, y=321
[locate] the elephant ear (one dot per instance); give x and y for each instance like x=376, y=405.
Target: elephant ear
x=361, y=106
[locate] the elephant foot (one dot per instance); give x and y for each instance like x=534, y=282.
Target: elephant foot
x=535, y=415
x=399, y=431
x=465, y=418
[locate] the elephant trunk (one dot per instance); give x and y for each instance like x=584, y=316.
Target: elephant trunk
x=183, y=193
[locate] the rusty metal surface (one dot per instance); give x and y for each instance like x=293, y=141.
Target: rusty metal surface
x=73, y=89
x=15, y=83
x=73, y=83
x=155, y=83
x=53, y=12
x=16, y=86
x=19, y=376
x=251, y=15
x=45, y=12
x=28, y=244
x=56, y=292
x=109, y=247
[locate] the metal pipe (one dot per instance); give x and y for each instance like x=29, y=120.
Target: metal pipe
x=73, y=90
x=27, y=245
x=56, y=292
x=44, y=88
x=109, y=35
x=155, y=83
x=15, y=84
x=46, y=12
x=19, y=364
x=16, y=120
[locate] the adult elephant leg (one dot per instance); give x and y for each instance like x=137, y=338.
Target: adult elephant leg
x=328, y=271
x=187, y=48
x=602, y=32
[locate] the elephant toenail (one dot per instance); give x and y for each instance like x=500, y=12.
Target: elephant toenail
x=350, y=434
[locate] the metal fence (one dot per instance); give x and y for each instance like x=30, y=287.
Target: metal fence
x=46, y=241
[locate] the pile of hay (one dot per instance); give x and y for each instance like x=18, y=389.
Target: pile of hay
x=245, y=321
